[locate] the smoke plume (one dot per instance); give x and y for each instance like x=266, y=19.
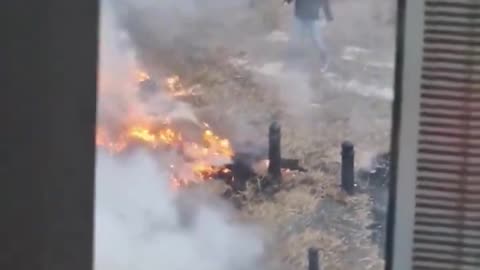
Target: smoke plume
x=119, y=71
x=141, y=224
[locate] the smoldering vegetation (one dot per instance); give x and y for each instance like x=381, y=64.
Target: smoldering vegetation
x=233, y=53
x=141, y=224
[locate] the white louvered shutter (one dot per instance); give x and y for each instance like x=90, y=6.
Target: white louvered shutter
x=437, y=208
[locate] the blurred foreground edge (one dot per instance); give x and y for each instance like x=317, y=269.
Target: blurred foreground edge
x=48, y=122
x=434, y=204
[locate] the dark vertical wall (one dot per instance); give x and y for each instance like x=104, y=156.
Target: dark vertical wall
x=47, y=127
x=400, y=53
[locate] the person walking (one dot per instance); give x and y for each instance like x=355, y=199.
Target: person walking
x=307, y=17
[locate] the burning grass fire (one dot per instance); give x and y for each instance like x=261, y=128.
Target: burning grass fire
x=200, y=160
x=206, y=158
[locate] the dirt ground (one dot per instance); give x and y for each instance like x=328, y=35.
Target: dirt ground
x=245, y=81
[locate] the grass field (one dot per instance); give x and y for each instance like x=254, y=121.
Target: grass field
x=236, y=60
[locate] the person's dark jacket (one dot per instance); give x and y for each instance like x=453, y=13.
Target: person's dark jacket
x=310, y=9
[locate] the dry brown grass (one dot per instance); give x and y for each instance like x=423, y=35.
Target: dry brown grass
x=295, y=218
x=309, y=210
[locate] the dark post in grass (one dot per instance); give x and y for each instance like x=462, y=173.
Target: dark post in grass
x=313, y=262
x=274, y=153
x=348, y=177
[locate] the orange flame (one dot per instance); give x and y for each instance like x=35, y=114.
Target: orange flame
x=165, y=136
x=142, y=76
x=175, y=87
x=202, y=156
x=220, y=146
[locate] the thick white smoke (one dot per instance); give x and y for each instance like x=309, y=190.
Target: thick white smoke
x=139, y=225
x=119, y=70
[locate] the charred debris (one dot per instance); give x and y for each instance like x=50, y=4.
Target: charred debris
x=241, y=171
x=242, y=168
